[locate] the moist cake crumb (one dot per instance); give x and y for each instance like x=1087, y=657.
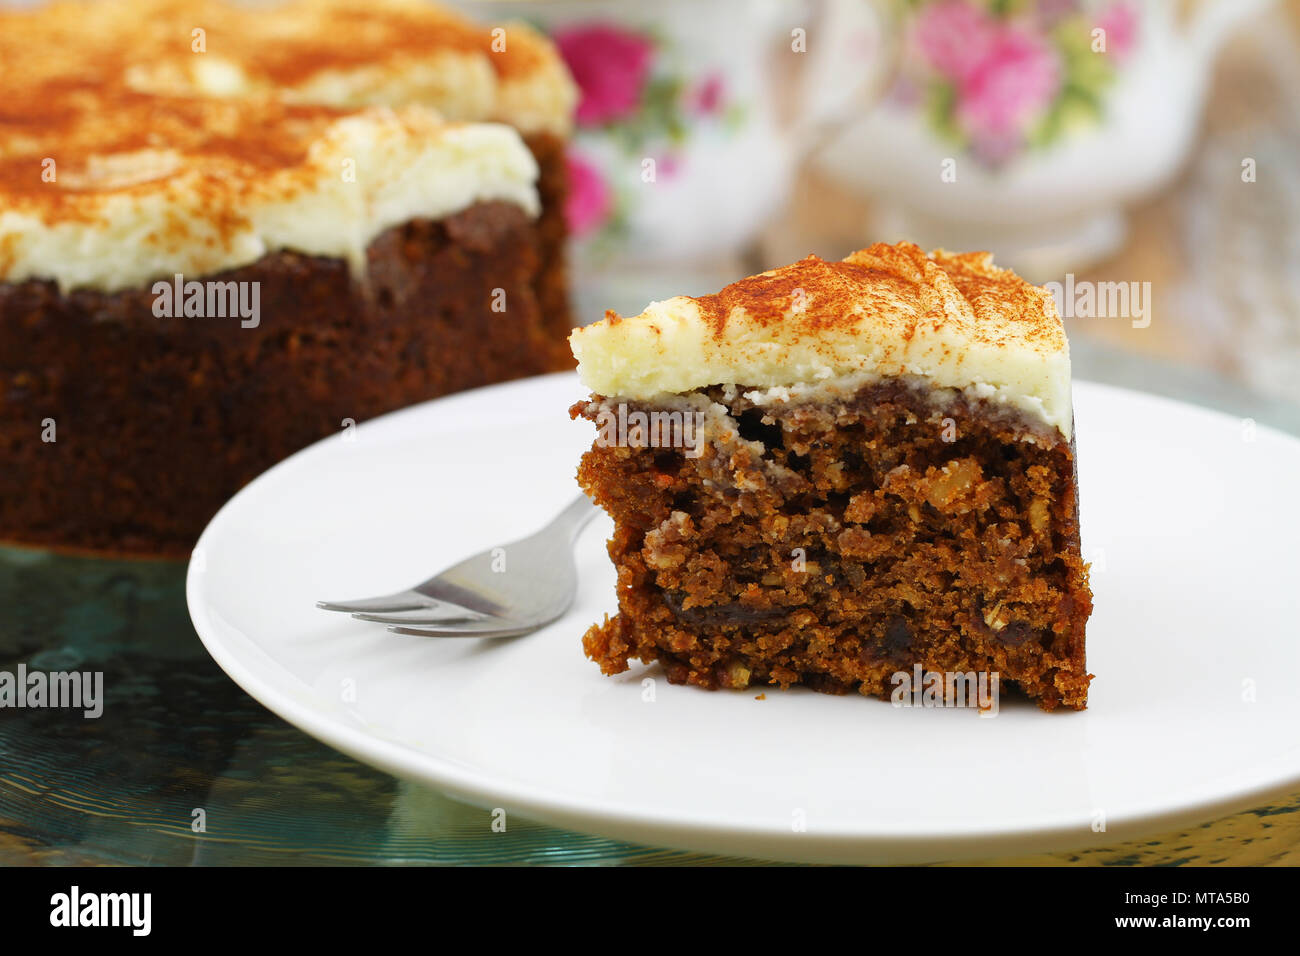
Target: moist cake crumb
x=835, y=536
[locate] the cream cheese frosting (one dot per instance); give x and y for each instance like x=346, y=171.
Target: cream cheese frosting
x=955, y=320
x=209, y=195
x=142, y=138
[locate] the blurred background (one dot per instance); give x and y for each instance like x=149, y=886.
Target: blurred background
x=1153, y=143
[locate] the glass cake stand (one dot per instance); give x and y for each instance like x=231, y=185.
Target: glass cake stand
x=184, y=768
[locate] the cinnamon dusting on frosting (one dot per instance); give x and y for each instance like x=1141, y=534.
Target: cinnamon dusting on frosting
x=126, y=154
x=899, y=284
x=344, y=53
x=886, y=310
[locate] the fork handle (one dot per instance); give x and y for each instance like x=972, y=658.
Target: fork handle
x=575, y=516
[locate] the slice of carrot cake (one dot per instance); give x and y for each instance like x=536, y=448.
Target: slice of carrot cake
x=836, y=472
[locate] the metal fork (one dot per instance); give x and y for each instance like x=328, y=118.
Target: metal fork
x=505, y=591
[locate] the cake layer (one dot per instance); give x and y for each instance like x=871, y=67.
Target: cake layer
x=124, y=431
x=345, y=53
x=955, y=320
x=838, y=543
x=109, y=189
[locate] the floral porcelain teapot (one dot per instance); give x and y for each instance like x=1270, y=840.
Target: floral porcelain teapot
x=1024, y=127
x=694, y=114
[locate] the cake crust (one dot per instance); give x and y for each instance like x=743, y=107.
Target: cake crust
x=159, y=420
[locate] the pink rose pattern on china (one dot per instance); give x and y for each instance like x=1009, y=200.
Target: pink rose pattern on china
x=954, y=36
x=1120, y=24
x=623, y=99
x=590, y=202
x=1006, y=75
x=1013, y=81
x=707, y=97
x=610, y=66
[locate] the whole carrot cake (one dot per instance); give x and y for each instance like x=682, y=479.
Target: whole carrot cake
x=227, y=231
x=831, y=473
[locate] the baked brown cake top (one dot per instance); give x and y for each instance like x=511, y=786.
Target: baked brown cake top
x=335, y=52
x=887, y=310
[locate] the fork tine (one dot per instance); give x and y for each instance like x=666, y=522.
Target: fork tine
x=469, y=629
x=399, y=601
x=436, y=614
x=470, y=599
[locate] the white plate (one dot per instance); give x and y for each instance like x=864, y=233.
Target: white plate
x=1189, y=515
